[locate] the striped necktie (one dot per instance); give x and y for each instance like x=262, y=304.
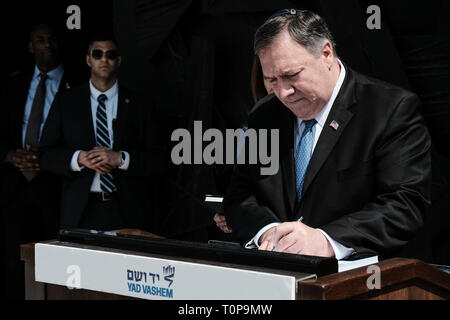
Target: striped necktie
x=303, y=155
x=103, y=140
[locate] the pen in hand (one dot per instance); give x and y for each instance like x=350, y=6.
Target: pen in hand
x=275, y=236
x=275, y=239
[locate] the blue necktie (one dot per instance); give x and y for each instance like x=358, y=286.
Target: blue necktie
x=303, y=155
x=103, y=140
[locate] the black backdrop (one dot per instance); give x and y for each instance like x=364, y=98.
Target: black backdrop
x=193, y=57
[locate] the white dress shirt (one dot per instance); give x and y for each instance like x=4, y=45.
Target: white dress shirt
x=341, y=252
x=111, y=105
x=51, y=88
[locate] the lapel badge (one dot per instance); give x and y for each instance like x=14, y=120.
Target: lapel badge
x=127, y=101
x=334, y=125
x=67, y=85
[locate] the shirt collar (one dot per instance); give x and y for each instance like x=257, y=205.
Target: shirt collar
x=323, y=115
x=110, y=93
x=54, y=74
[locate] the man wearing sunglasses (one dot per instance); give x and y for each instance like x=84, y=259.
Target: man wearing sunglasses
x=101, y=139
x=355, y=167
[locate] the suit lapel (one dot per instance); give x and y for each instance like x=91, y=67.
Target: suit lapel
x=25, y=87
x=19, y=109
x=123, y=112
x=287, y=163
x=330, y=136
x=65, y=83
x=86, y=117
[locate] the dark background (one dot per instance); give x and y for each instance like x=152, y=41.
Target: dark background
x=194, y=57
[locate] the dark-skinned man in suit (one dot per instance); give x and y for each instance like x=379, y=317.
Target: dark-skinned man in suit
x=29, y=197
x=355, y=170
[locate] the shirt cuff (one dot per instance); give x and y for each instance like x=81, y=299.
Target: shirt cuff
x=74, y=163
x=252, y=244
x=341, y=252
x=126, y=163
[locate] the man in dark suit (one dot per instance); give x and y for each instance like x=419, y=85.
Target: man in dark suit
x=29, y=197
x=355, y=171
x=102, y=141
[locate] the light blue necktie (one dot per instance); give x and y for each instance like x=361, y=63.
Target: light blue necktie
x=303, y=155
x=103, y=140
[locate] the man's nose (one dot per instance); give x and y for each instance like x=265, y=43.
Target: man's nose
x=49, y=43
x=285, y=90
x=104, y=58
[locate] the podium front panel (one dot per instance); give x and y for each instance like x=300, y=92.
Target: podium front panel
x=156, y=278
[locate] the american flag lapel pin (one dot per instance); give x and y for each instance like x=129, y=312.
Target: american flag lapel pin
x=334, y=125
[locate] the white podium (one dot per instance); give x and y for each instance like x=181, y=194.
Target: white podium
x=153, y=277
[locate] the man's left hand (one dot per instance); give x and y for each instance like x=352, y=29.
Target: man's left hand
x=221, y=223
x=102, y=156
x=298, y=238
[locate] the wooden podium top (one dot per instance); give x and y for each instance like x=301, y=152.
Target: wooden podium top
x=400, y=279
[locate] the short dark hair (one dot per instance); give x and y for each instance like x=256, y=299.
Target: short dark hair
x=306, y=27
x=37, y=25
x=102, y=36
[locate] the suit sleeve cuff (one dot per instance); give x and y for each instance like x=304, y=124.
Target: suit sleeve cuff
x=74, y=166
x=341, y=252
x=126, y=163
x=252, y=244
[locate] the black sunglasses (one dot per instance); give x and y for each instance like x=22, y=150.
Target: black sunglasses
x=110, y=54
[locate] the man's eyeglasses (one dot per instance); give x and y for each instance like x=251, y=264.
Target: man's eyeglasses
x=110, y=54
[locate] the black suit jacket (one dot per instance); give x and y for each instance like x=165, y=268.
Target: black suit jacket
x=368, y=183
x=12, y=103
x=70, y=128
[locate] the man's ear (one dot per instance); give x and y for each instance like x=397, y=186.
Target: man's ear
x=31, y=47
x=328, y=54
x=327, y=50
x=88, y=60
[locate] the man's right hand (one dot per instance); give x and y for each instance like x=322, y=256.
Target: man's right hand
x=25, y=161
x=102, y=169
